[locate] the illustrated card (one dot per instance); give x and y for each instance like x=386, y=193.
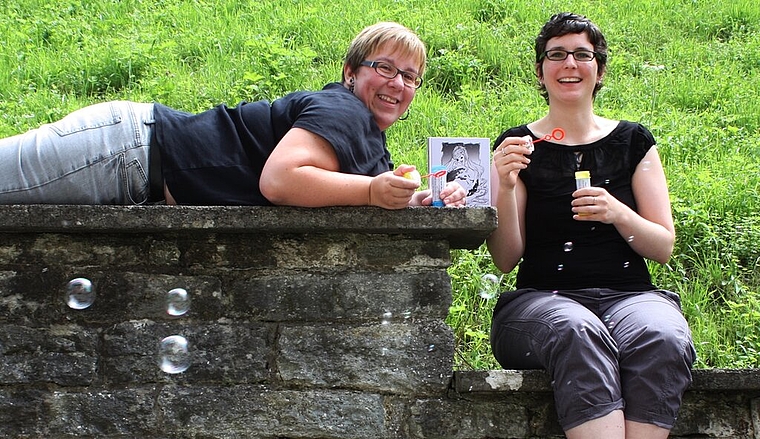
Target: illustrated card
x=467, y=161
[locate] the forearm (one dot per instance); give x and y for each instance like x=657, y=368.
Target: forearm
x=507, y=243
x=647, y=238
x=309, y=186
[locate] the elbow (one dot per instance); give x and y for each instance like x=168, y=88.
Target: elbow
x=502, y=261
x=272, y=190
x=667, y=251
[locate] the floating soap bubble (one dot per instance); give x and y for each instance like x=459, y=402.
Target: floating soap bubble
x=177, y=302
x=489, y=286
x=560, y=267
x=626, y=264
x=79, y=293
x=630, y=238
x=431, y=348
x=387, y=315
x=568, y=247
x=173, y=354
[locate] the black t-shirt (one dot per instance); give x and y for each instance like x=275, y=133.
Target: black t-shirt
x=216, y=157
x=565, y=254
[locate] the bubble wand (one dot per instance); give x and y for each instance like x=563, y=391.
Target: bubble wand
x=415, y=175
x=440, y=173
x=556, y=134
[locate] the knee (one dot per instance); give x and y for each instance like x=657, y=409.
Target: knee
x=659, y=343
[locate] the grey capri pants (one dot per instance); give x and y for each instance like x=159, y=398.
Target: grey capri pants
x=99, y=154
x=605, y=350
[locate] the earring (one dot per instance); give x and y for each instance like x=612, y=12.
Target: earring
x=351, y=85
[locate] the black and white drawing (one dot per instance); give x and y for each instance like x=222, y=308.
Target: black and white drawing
x=467, y=161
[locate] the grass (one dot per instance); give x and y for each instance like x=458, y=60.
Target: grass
x=688, y=70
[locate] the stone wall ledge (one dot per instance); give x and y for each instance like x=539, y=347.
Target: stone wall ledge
x=500, y=381
x=720, y=403
x=464, y=228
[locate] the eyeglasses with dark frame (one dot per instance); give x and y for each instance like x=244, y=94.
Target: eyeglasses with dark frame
x=387, y=70
x=561, y=55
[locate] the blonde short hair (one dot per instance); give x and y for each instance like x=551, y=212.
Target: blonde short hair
x=400, y=39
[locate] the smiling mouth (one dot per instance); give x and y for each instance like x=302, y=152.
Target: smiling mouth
x=388, y=99
x=569, y=80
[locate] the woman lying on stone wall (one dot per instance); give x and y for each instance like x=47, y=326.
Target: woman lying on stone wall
x=308, y=148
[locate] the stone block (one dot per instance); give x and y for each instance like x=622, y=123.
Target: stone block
x=341, y=295
x=64, y=355
x=397, y=357
x=256, y=412
x=217, y=353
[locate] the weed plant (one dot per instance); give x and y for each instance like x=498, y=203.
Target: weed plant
x=687, y=69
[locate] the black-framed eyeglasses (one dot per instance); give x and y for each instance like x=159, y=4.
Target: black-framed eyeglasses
x=561, y=55
x=387, y=70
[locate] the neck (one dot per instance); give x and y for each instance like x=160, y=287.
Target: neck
x=581, y=125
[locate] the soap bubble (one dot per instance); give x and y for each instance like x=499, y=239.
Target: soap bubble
x=568, y=247
x=560, y=267
x=387, y=315
x=173, y=354
x=489, y=286
x=177, y=302
x=79, y=293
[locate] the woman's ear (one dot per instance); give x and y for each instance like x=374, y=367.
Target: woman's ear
x=348, y=75
x=540, y=73
x=600, y=75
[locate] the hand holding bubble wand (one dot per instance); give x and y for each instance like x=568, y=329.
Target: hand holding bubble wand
x=556, y=134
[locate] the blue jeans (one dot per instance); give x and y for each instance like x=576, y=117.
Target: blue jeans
x=96, y=155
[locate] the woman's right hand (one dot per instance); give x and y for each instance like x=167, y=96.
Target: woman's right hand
x=390, y=190
x=510, y=157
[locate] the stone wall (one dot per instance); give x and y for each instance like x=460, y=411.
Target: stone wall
x=302, y=323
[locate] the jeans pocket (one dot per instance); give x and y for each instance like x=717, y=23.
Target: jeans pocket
x=135, y=182
x=93, y=116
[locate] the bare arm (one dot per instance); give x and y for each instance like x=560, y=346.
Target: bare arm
x=507, y=243
x=303, y=170
x=650, y=232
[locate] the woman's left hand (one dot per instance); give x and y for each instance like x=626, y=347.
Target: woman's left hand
x=453, y=195
x=594, y=204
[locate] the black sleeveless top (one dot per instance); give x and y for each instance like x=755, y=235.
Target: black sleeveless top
x=562, y=253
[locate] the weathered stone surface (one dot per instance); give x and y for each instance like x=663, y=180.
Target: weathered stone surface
x=462, y=419
x=340, y=296
x=720, y=403
x=64, y=355
x=101, y=413
x=303, y=324
x=254, y=412
x=462, y=228
x=22, y=412
x=396, y=357
x=218, y=352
